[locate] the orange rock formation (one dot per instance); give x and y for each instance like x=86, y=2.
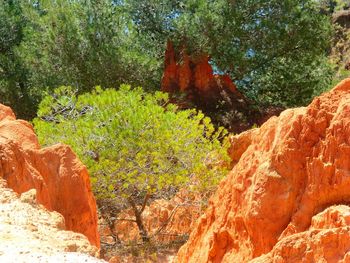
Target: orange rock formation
x=193, y=78
x=287, y=198
x=194, y=75
x=214, y=94
x=60, y=179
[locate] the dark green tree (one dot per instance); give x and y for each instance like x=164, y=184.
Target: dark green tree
x=14, y=89
x=274, y=50
x=85, y=43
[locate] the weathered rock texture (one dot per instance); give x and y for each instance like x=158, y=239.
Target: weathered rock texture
x=194, y=75
x=60, y=179
x=192, y=80
x=282, y=197
x=326, y=240
x=30, y=233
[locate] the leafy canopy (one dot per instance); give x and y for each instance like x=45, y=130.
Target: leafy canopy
x=274, y=50
x=13, y=73
x=84, y=44
x=134, y=143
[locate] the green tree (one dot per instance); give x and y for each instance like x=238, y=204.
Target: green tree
x=14, y=89
x=275, y=51
x=136, y=145
x=327, y=6
x=84, y=43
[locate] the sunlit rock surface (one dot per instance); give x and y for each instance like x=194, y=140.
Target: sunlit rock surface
x=30, y=233
x=287, y=197
x=61, y=181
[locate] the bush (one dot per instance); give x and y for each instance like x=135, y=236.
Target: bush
x=136, y=145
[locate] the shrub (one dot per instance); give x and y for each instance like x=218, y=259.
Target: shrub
x=136, y=145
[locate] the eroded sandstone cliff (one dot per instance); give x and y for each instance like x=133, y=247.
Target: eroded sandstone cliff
x=287, y=197
x=60, y=179
x=30, y=233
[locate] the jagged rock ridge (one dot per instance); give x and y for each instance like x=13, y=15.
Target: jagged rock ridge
x=287, y=198
x=192, y=83
x=60, y=179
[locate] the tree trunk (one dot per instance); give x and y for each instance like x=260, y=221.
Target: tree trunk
x=138, y=216
x=142, y=229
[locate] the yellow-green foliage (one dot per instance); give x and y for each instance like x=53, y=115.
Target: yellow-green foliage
x=132, y=142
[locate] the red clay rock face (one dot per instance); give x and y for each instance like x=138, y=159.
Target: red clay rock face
x=60, y=179
x=281, y=197
x=216, y=95
x=194, y=75
x=193, y=78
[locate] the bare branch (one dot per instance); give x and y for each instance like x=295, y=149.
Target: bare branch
x=126, y=219
x=148, y=195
